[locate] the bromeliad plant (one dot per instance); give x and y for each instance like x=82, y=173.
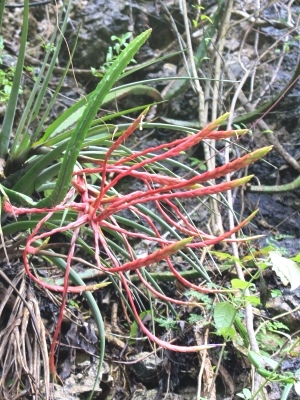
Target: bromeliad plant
x=99, y=209
x=70, y=165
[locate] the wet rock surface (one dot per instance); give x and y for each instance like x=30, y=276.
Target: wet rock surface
x=98, y=21
x=146, y=370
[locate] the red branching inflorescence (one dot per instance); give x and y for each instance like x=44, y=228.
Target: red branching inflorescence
x=98, y=209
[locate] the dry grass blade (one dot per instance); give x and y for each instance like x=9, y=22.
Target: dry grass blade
x=22, y=342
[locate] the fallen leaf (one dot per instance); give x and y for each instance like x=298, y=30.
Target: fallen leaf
x=287, y=270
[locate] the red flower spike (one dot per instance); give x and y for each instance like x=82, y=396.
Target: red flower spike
x=151, y=258
x=176, y=147
x=155, y=195
x=227, y=134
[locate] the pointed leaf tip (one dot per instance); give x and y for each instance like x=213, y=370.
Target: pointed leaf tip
x=219, y=121
x=242, y=181
x=182, y=243
x=222, y=119
x=240, y=132
x=252, y=215
x=259, y=153
x=147, y=33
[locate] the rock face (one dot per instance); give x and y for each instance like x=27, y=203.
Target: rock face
x=99, y=20
x=146, y=369
x=287, y=305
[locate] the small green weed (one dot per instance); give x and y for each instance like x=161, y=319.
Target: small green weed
x=166, y=323
x=6, y=77
x=112, y=53
x=195, y=162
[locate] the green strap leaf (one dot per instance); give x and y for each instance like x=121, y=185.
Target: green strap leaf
x=14, y=95
x=94, y=102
